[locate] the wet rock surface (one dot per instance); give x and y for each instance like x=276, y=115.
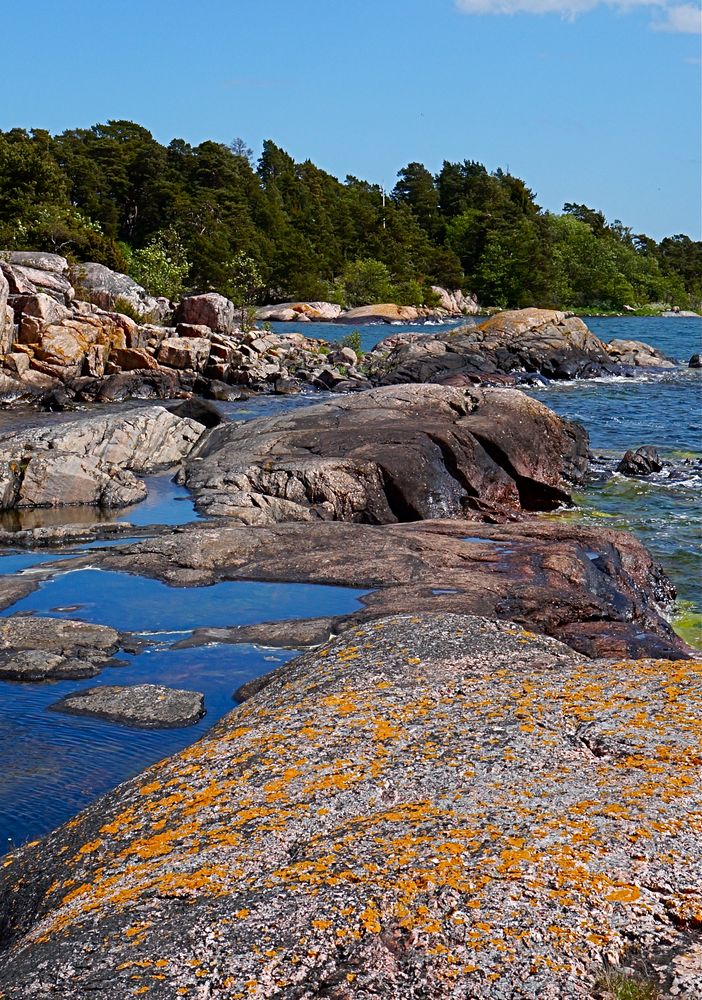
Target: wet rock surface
x=147, y=706
x=392, y=454
x=277, y=635
x=600, y=589
x=432, y=805
x=641, y=462
x=41, y=649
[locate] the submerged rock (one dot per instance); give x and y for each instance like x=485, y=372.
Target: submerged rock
x=392, y=454
x=147, y=706
x=436, y=805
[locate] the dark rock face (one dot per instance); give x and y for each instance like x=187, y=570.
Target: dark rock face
x=41, y=649
x=641, y=462
x=554, y=578
x=695, y=361
x=393, y=454
x=146, y=706
x=530, y=340
x=542, y=341
x=385, y=819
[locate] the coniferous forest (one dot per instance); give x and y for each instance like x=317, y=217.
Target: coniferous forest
x=182, y=217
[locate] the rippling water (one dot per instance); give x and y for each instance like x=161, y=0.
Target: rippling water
x=54, y=764
x=659, y=409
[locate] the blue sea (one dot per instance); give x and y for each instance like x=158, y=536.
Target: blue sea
x=54, y=764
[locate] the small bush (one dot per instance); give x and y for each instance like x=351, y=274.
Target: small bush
x=353, y=340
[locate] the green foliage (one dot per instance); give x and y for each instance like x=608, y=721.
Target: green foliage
x=242, y=286
x=161, y=267
x=113, y=194
x=366, y=282
x=126, y=308
x=353, y=340
x=618, y=985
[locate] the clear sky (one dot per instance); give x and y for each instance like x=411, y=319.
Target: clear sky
x=594, y=101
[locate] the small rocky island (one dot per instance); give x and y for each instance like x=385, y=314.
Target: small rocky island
x=484, y=782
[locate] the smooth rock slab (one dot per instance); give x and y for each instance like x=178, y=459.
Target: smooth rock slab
x=147, y=706
x=436, y=807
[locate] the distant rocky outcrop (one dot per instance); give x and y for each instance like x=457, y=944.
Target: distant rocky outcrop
x=61, y=345
x=392, y=454
x=450, y=304
x=510, y=344
x=433, y=805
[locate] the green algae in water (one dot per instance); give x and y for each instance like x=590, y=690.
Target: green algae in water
x=688, y=624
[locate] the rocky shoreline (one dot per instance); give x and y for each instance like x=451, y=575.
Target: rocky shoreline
x=482, y=782
x=64, y=342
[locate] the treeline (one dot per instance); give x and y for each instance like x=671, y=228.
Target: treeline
x=208, y=216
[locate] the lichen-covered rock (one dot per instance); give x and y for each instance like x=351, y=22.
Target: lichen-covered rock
x=431, y=806
x=146, y=706
x=392, y=454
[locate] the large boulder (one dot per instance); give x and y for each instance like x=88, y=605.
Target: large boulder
x=108, y=289
x=394, y=454
x=436, y=806
x=91, y=459
x=211, y=310
x=29, y=272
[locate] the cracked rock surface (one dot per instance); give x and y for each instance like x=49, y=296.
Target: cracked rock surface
x=400, y=453
x=434, y=805
x=91, y=459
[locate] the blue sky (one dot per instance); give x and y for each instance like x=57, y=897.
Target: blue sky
x=593, y=101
